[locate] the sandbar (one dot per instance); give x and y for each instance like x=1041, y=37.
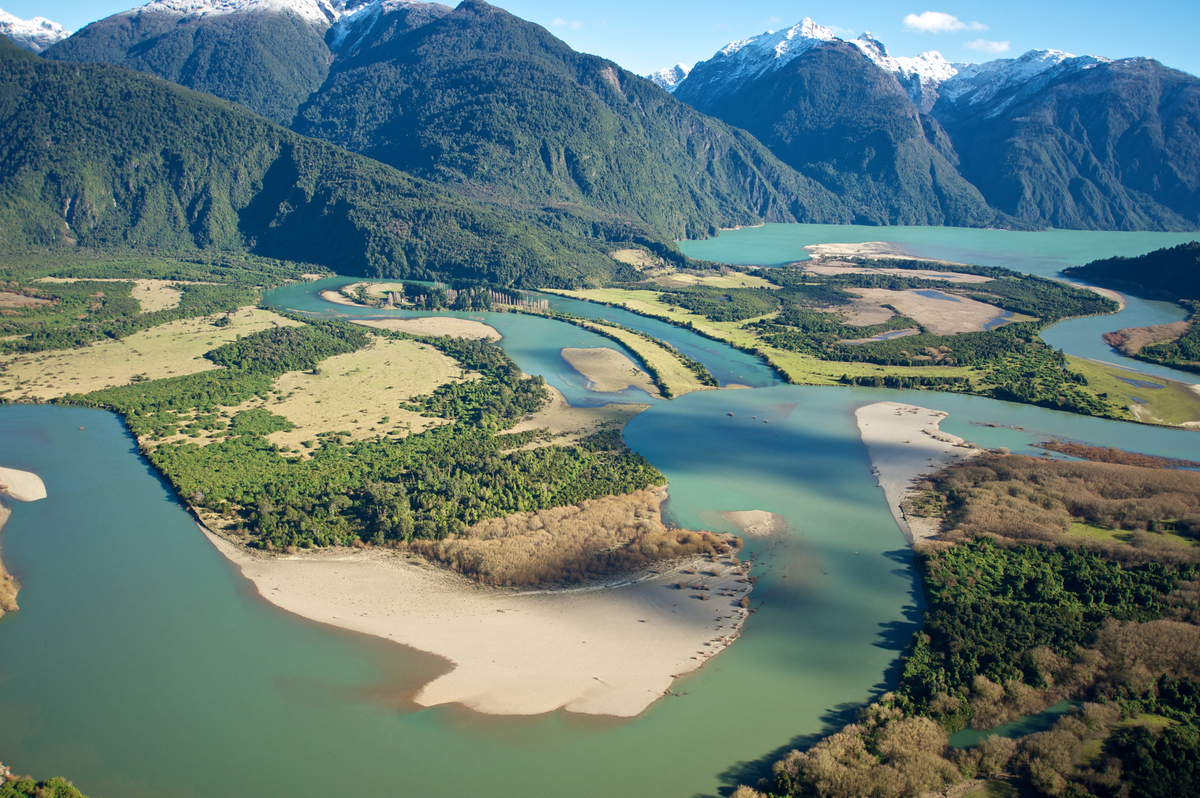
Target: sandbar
x=435, y=325
x=611, y=649
x=22, y=486
x=568, y=424
x=608, y=370
x=337, y=298
x=905, y=443
x=867, y=249
x=756, y=523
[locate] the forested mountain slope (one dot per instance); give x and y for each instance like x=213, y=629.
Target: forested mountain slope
x=498, y=108
x=267, y=56
x=842, y=121
x=1102, y=145
x=101, y=156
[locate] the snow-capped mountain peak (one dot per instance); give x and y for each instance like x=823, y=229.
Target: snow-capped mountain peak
x=669, y=77
x=34, y=34
x=744, y=59
x=321, y=12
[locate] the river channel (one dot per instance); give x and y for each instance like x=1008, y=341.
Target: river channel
x=143, y=664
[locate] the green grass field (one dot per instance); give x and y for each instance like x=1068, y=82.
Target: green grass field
x=1175, y=403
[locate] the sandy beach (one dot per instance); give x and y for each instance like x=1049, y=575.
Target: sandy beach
x=608, y=370
x=22, y=486
x=435, y=325
x=905, y=443
x=867, y=249
x=603, y=650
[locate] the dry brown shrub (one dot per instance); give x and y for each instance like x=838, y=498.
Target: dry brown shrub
x=1139, y=653
x=566, y=545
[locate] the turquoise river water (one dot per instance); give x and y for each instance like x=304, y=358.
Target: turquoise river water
x=143, y=664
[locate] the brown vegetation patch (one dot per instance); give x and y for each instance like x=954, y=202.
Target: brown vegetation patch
x=11, y=300
x=567, y=545
x=1107, y=454
x=1032, y=500
x=1131, y=340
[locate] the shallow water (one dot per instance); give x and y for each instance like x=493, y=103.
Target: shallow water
x=142, y=664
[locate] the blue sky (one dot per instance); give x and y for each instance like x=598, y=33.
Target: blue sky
x=642, y=35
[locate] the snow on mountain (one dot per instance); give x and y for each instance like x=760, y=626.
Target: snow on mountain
x=670, y=77
x=34, y=34
x=358, y=19
x=920, y=76
x=976, y=83
x=745, y=59
x=321, y=12
x=925, y=77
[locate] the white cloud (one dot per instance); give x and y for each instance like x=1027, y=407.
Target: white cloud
x=986, y=46
x=841, y=31
x=773, y=20
x=939, y=22
x=573, y=24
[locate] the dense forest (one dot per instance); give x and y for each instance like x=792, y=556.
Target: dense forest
x=95, y=155
x=425, y=486
x=1023, y=612
x=1172, y=273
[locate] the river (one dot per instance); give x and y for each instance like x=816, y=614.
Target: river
x=142, y=664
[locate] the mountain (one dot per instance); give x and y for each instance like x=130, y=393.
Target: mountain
x=500, y=109
x=268, y=55
x=34, y=35
x=1081, y=143
x=1046, y=139
x=831, y=113
x=100, y=156
x=670, y=77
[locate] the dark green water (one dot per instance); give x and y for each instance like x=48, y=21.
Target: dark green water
x=141, y=664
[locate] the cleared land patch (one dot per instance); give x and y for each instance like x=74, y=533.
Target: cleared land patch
x=837, y=267
x=151, y=295
x=354, y=393
x=434, y=325
x=168, y=350
x=11, y=300
x=607, y=370
x=1174, y=403
x=731, y=280
x=942, y=314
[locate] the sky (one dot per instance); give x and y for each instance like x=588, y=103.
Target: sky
x=645, y=35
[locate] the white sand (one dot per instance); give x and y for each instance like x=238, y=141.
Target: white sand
x=867, y=249
x=606, y=651
x=23, y=486
x=1108, y=292
x=435, y=325
x=337, y=298
x=904, y=443
x=756, y=523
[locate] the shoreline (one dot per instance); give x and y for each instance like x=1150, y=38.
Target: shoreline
x=22, y=486
x=608, y=648
x=905, y=443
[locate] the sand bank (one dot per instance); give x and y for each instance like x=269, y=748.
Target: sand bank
x=1116, y=296
x=337, y=298
x=569, y=424
x=22, y=486
x=756, y=523
x=904, y=443
x=608, y=370
x=867, y=249
x=608, y=650
x=435, y=325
